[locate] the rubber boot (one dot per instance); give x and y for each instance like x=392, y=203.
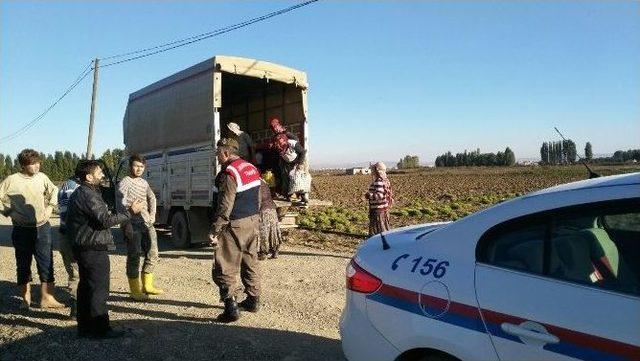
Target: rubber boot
x=147, y=285
x=25, y=293
x=251, y=304
x=48, y=300
x=231, y=311
x=136, y=290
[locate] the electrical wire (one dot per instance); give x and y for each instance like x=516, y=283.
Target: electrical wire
x=196, y=38
x=86, y=71
x=148, y=52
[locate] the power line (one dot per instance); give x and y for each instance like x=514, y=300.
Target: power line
x=87, y=69
x=148, y=52
x=193, y=39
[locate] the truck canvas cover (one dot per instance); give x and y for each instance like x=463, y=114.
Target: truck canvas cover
x=179, y=110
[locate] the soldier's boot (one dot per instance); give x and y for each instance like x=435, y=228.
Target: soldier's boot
x=231, y=311
x=48, y=300
x=136, y=290
x=25, y=294
x=147, y=285
x=251, y=304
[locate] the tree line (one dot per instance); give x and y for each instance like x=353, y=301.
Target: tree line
x=408, y=162
x=620, y=156
x=560, y=152
x=59, y=165
x=564, y=152
x=475, y=158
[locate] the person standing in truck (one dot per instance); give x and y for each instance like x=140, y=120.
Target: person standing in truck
x=291, y=156
x=292, y=160
x=380, y=198
x=245, y=143
x=139, y=233
x=234, y=232
x=65, y=247
x=89, y=225
x=28, y=198
x=277, y=128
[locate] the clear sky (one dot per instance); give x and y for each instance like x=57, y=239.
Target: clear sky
x=386, y=78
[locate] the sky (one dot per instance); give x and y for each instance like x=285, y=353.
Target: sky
x=387, y=78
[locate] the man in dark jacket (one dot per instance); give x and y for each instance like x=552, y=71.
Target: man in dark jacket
x=89, y=225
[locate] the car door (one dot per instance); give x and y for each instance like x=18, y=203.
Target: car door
x=559, y=286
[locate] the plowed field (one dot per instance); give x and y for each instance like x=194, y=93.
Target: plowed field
x=429, y=195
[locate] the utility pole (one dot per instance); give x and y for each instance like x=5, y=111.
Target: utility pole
x=94, y=95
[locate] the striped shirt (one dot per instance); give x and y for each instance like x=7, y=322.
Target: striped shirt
x=130, y=189
x=380, y=195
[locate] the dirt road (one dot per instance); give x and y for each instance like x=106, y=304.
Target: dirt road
x=303, y=297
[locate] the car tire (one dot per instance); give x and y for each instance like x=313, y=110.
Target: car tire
x=180, y=235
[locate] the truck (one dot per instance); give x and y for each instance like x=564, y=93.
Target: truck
x=176, y=122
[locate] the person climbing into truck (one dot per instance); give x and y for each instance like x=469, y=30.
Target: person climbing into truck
x=139, y=233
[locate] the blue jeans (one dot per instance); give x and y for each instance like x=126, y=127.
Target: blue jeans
x=29, y=243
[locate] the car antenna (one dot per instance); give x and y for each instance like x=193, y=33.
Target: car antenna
x=592, y=174
x=385, y=244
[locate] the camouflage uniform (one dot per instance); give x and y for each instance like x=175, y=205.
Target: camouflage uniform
x=236, y=225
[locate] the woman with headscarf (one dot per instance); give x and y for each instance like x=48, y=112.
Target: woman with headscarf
x=380, y=198
x=292, y=155
x=270, y=236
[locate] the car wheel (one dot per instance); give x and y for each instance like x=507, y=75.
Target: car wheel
x=180, y=235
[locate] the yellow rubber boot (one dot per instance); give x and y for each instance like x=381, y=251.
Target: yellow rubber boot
x=147, y=285
x=136, y=290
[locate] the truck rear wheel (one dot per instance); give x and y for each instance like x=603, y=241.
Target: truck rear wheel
x=180, y=235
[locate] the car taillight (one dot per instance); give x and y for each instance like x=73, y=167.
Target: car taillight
x=360, y=280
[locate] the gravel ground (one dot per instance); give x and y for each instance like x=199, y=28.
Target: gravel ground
x=303, y=296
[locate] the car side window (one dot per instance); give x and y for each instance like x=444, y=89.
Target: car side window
x=596, y=245
x=518, y=246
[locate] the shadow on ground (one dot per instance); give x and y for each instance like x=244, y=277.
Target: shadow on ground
x=170, y=340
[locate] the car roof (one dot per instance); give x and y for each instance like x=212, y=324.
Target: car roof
x=601, y=182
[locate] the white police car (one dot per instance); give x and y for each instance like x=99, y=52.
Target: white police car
x=552, y=275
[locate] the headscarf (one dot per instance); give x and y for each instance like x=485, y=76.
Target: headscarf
x=275, y=125
x=380, y=169
x=281, y=142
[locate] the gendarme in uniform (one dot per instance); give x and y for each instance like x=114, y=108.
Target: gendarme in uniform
x=236, y=226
